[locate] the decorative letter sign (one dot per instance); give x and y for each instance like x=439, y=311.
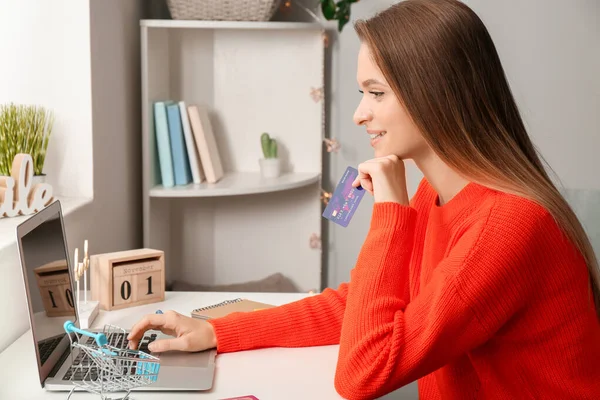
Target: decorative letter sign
x=17, y=196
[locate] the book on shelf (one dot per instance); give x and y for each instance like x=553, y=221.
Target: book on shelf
x=190, y=143
x=181, y=164
x=186, y=146
x=205, y=140
x=163, y=144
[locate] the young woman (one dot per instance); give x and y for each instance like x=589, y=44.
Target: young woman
x=483, y=285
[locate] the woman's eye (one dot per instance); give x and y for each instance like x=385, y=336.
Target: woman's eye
x=376, y=94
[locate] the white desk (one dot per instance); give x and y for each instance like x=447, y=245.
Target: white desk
x=268, y=374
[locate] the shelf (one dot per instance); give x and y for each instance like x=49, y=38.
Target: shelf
x=262, y=25
x=233, y=68
x=8, y=225
x=239, y=183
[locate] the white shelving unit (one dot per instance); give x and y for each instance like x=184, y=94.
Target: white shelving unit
x=255, y=77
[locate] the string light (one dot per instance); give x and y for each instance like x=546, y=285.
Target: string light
x=287, y=5
x=325, y=196
x=315, y=241
x=333, y=146
x=316, y=94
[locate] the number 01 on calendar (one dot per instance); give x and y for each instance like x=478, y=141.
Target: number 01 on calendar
x=127, y=278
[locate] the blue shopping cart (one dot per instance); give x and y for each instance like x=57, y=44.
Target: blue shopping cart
x=109, y=369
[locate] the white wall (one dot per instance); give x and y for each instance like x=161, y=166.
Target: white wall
x=551, y=53
x=45, y=51
x=91, y=53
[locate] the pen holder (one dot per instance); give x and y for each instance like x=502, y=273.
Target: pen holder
x=88, y=311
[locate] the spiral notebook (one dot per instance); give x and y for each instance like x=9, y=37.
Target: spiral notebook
x=227, y=307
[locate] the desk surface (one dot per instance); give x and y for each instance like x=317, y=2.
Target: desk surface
x=305, y=373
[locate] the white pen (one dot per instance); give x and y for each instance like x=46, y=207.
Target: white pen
x=76, y=272
x=85, y=266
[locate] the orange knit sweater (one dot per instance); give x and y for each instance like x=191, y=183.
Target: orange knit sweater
x=481, y=298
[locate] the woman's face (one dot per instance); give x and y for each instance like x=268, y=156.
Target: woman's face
x=391, y=129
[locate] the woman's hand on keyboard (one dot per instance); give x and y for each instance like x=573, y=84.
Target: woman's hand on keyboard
x=190, y=334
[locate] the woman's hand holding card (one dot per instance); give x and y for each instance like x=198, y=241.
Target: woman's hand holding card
x=384, y=178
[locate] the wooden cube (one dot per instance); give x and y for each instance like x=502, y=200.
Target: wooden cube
x=54, y=286
x=127, y=278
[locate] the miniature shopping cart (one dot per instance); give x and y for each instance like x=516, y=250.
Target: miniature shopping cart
x=102, y=365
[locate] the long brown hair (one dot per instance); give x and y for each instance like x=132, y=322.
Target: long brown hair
x=441, y=62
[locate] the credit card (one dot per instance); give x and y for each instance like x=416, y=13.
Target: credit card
x=242, y=398
x=345, y=199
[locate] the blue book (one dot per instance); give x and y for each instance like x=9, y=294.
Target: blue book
x=163, y=145
x=181, y=162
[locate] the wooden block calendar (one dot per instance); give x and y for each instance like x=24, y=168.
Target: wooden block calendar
x=127, y=278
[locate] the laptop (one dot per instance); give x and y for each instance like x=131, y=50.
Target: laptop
x=47, y=273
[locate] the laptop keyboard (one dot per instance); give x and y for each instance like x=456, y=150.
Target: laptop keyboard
x=81, y=364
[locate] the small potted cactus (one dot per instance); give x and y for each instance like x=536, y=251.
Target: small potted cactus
x=270, y=166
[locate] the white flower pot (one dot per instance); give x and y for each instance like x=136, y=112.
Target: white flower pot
x=270, y=167
x=38, y=179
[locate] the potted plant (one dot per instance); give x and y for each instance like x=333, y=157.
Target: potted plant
x=338, y=10
x=270, y=166
x=24, y=129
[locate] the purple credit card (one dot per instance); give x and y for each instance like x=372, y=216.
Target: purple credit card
x=345, y=199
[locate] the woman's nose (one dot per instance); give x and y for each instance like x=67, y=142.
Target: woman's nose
x=362, y=115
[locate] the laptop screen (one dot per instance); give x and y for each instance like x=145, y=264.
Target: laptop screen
x=50, y=290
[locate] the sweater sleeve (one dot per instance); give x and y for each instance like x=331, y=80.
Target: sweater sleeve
x=386, y=343
x=313, y=321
